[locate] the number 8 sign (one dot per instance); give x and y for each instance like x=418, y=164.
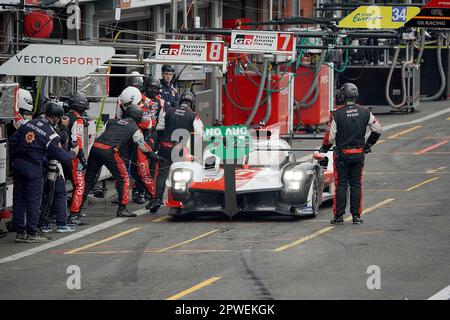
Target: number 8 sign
x=214, y=51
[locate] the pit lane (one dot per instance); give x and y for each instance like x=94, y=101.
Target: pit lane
x=151, y=257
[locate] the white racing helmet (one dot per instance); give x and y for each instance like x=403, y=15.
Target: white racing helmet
x=130, y=96
x=25, y=100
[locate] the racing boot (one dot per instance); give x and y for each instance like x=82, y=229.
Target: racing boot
x=154, y=205
x=357, y=220
x=134, y=196
x=141, y=198
x=124, y=213
x=74, y=219
x=337, y=220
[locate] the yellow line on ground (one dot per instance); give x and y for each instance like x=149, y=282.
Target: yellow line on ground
x=381, y=141
x=421, y=184
x=375, y=206
x=161, y=219
x=93, y=244
x=326, y=229
x=401, y=133
x=187, y=241
x=194, y=288
x=306, y=238
x=448, y=118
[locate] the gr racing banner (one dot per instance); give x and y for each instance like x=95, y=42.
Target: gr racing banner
x=190, y=51
x=379, y=17
x=56, y=60
x=262, y=42
x=434, y=14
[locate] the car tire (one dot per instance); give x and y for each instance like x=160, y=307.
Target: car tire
x=315, y=198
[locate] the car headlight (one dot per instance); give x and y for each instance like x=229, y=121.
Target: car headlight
x=180, y=178
x=293, y=178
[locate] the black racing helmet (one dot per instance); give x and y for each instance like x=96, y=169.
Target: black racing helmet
x=78, y=102
x=135, y=113
x=188, y=98
x=152, y=87
x=349, y=92
x=135, y=81
x=167, y=68
x=53, y=109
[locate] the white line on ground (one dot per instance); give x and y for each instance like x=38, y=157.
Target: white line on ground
x=444, y=294
x=72, y=237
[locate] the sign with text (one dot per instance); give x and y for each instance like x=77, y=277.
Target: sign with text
x=379, y=17
x=56, y=60
x=191, y=51
x=262, y=42
x=434, y=14
x=228, y=142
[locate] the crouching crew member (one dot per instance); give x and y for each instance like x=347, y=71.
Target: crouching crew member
x=113, y=149
x=170, y=119
x=347, y=130
x=30, y=147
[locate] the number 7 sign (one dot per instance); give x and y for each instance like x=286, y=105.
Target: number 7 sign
x=285, y=42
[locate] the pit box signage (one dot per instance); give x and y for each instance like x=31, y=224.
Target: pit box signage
x=228, y=142
x=190, y=51
x=434, y=14
x=263, y=42
x=56, y=60
x=379, y=17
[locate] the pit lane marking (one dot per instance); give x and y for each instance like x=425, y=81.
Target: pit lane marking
x=96, y=243
x=444, y=294
x=69, y=238
x=161, y=219
x=421, y=184
x=401, y=133
x=194, y=288
x=188, y=241
x=375, y=206
x=327, y=229
x=434, y=146
x=435, y=170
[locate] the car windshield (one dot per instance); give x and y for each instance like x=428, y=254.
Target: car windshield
x=266, y=158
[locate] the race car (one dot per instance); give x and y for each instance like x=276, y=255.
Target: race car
x=268, y=179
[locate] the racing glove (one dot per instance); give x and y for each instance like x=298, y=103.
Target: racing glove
x=82, y=157
x=324, y=148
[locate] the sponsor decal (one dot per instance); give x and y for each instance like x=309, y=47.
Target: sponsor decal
x=379, y=17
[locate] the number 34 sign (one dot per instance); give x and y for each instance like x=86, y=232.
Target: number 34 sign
x=379, y=17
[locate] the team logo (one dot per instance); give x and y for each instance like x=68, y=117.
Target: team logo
x=244, y=39
x=169, y=49
x=29, y=137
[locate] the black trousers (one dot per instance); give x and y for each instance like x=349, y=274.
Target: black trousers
x=348, y=170
x=162, y=171
x=116, y=164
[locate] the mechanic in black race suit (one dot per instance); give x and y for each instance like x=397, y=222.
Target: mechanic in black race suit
x=169, y=120
x=347, y=130
x=168, y=92
x=113, y=148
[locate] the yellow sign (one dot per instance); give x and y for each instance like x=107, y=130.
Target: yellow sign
x=377, y=17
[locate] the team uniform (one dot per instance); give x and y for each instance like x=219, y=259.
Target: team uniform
x=347, y=130
x=30, y=148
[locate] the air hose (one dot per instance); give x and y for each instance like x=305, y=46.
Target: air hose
x=389, y=79
x=260, y=93
x=441, y=71
x=269, y=100
x=314, y=86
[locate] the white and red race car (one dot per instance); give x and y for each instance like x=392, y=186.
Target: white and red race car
x=269, y=179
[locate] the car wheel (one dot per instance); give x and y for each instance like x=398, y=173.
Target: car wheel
x=314, y=197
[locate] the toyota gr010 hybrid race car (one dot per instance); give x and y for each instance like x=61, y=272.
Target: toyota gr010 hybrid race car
x=268, y=179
